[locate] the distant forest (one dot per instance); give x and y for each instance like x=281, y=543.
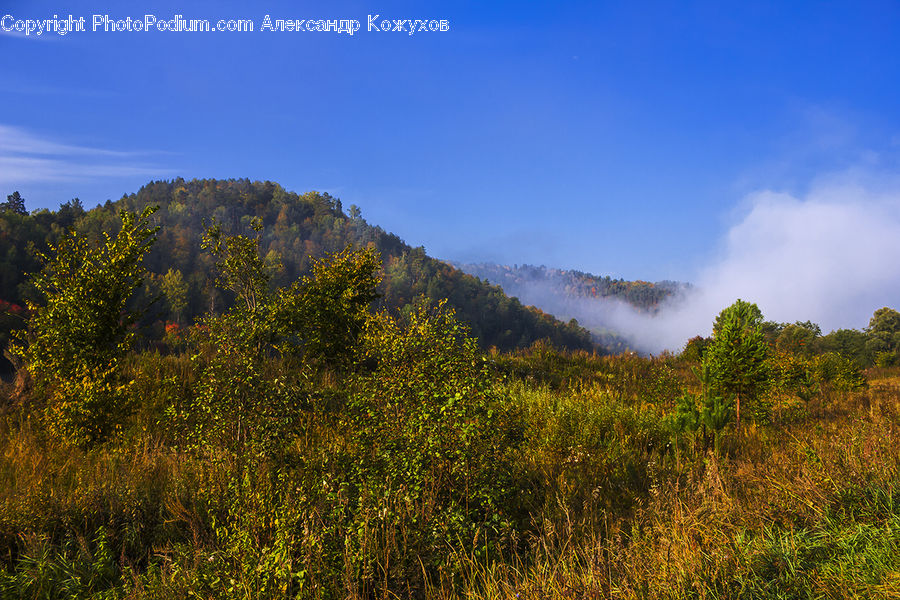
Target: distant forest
x=518, y=280
x=297, y=228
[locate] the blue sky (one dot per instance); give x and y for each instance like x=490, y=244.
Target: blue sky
x=620, y=138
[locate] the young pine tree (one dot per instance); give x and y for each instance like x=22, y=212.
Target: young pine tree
x=736, y=358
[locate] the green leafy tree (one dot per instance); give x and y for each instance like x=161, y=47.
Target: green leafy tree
x=324, y=314
x=243, y=403
x=175, y=289
x=241, y=267
x=685, y=419
x=686, y=416
x=427, y=424
x=798, y=338
x=14, y=203
x=795, y=373
x=236, y=407
x=840, y=372
x=716, y=411
x=76, y=337
x=850, y=343
x=736, y=359
x=747, y=314
x=695, y=347
x=884, y=336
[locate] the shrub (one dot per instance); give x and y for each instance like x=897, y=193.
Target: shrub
x=75, y=340
x=431, y=434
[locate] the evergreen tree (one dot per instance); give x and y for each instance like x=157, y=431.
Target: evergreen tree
x=14, y=203
x=736, y=359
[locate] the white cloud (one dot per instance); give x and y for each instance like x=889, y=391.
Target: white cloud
x=831, y=256
x=26, y=157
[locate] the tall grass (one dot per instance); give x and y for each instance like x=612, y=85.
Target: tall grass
x=610, y=503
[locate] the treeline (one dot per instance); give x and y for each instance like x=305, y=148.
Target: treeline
x=296, y=230
x=519, y=279
x=878, y=345
x=574, y=294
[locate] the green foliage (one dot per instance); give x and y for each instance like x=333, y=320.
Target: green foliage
x=429, y=430
x=243, y=403
x=798, y=338
x=236, y=407
x=847, y=342
x=884, y=331
x=795, y=374
x=686, y=416
x=84, y=321
x=716, y=410
x=745, y=315
x=296, y=229
x=14, y=204
x=840, y=372
x=325, y=313
x=695, y=347
x=77, y=569
x=77, y=336
x=886, y=359
x=241, y=267
x=736, y=359
x=175, y=290
x=806, y=386
x=89, y=407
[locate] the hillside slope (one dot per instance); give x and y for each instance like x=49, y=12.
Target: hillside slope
x=296, y=228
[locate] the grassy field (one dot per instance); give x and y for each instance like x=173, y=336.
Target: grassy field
x=600, y=496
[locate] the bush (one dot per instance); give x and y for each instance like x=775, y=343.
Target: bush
x=431, y=435
x=75, y=340
x=840, y=372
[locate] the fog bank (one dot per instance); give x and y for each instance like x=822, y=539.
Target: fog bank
x=831, y=256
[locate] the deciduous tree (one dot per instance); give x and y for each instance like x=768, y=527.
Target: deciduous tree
x=76, y=337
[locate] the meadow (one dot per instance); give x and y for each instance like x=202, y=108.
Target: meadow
x=604, y=498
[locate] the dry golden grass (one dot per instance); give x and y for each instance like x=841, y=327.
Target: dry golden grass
x=807, y=507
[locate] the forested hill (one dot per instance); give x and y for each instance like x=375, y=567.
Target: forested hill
x=531, y=284
x=295, y=229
